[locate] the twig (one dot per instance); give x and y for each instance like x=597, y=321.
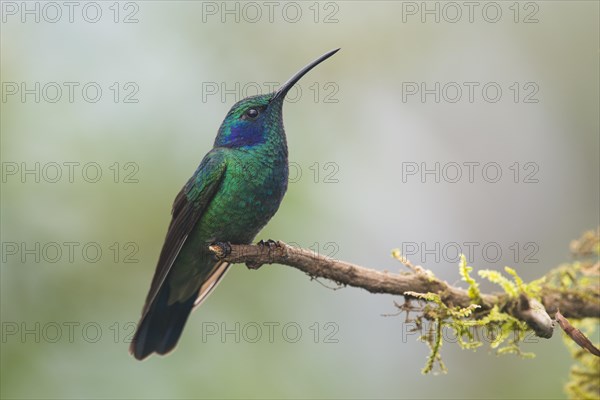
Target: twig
x=577, y=336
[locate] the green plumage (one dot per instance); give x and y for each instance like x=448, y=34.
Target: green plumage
x=234, y=192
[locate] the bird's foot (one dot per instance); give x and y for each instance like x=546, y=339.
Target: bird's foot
x=220, y=249
x=269, y=244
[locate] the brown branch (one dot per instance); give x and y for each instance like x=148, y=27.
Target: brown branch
x=420, y=280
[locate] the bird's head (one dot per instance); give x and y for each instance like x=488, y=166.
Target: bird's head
x=253, y=120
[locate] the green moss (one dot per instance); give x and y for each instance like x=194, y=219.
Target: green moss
x=496, y=277
x=504, y=331
x=464, y=271
x=434, y=340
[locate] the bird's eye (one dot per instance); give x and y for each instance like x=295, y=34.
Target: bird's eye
x=252, y=113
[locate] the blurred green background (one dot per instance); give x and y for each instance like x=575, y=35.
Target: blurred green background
x=67, y=317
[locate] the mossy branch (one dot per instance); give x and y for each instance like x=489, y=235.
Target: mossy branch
x=574, y=288
x=571, y=303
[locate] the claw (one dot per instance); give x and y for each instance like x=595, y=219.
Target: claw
x=269, y=243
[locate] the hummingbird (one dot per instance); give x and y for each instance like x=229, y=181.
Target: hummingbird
x=231, y=196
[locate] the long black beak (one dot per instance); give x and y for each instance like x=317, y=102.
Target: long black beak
x=282, y=91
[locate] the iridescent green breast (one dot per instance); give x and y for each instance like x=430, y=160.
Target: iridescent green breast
x=253, y=187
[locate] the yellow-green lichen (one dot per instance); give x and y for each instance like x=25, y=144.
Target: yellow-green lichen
x=464, y=270
x=504, y=332
x=496, y=277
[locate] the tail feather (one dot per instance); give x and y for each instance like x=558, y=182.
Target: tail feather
x=160, y=328
x=162, y=323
